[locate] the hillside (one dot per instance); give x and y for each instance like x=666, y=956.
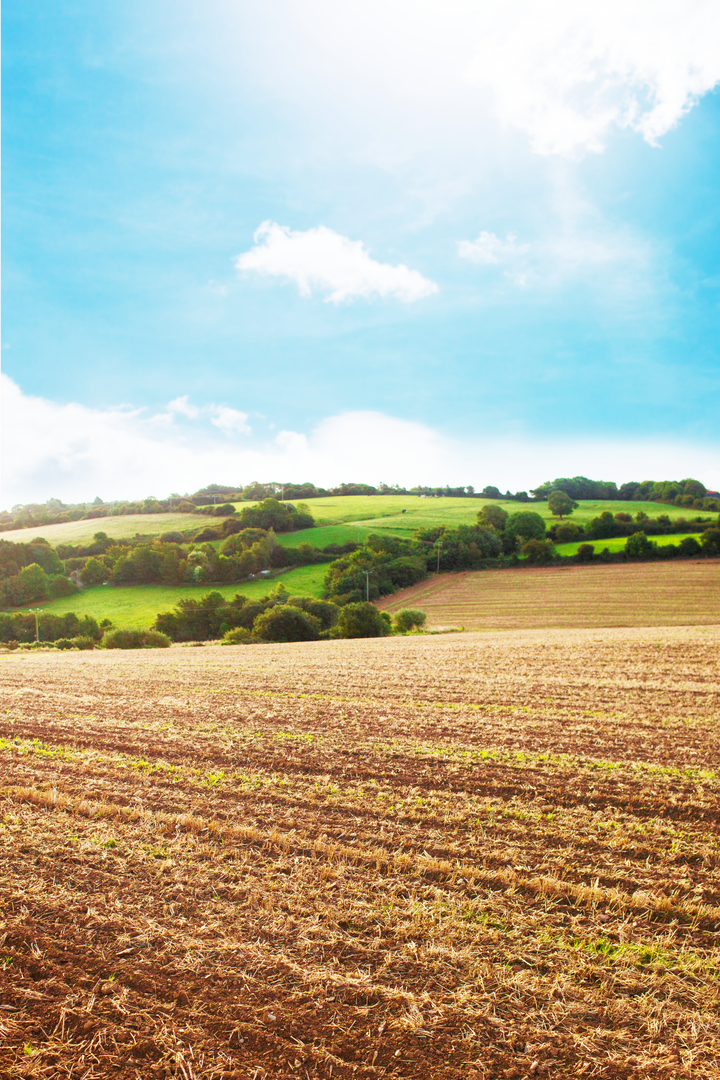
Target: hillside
x=339, y=518
x=623, y=594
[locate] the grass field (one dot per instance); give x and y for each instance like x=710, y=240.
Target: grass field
x=622, y=594
x=617, y=543
x=82, y=532
x=371, y=513
x=135, y=607
x=439, y=858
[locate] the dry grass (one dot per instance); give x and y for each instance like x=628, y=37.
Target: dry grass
x=437, y=857
x=684, y=593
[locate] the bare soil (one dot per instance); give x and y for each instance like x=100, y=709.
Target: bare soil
x=685, y=593
x=463, y=856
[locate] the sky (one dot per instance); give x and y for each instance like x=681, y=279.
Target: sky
x=400, y=242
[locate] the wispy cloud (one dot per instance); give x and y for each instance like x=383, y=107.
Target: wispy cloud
x=567, y=73
x=324, y=260
x=230, y=420
x=489, y=248
x=78, y=452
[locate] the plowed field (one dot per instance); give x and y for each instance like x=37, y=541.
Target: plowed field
x=632, y=594
x=462, y=856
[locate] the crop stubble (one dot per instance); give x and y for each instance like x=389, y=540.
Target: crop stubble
x=468, y=856
x=683, y=593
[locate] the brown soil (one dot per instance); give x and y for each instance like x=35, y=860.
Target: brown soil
x=684, y=593
x=443, y=857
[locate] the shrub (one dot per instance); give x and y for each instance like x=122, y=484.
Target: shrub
x=567, y=532
x=689, y=546
x=585, y=553
x=638, y=546
x=361, y=620
x=238, y=636
x=173, y=537
x=324, y=610
x=286, y=623
x=83, y=643
x=59, y=586
x=711, y=542
x=135, y=639
x=538, y=552
x=408, y=619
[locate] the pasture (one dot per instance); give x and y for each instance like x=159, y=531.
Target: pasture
x=454, y=857
x=117, y=528
x=683, y=593
x=135, y=606
x=367, y=513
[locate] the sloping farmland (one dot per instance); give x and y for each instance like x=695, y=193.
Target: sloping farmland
x=683, y=593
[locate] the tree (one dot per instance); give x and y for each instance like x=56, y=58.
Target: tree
x=585, y=553
x=494, y=516
x=94, y=573
x=408, y=619
x=538, y=552
x=560, y=504
x=361, y=620
x=638, y=546
x=525, y=525
x=286, y=623
x=710, y=541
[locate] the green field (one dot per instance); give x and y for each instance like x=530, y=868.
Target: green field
x=82, y=532
x=339, y=518
x=617, y=543
x=136, y=606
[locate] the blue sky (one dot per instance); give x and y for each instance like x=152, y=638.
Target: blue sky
x=492, y=253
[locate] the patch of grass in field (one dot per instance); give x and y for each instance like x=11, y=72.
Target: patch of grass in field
x=82, y=532
x=331, y=534
x=374, y=513
x=617, y=543
x=135, y=606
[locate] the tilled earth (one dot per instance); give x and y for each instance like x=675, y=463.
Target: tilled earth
x=460, y=856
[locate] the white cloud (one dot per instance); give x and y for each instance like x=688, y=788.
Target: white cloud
x=324, y=260
x=489, y=248
x=406, y=76
x=76, y=452
x=230, y=420
x=182, y=406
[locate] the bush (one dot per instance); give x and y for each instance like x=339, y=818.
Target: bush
x=711, y=542
x=538, y=552
x=567, y=532
x=286, y=623
x=638, y=546
x=135, y=639
x=324, y=610
x=361, y=620
x=408, y=619
x=238, y=636
x=173, y=537
x=689, y=546
x=585, y=553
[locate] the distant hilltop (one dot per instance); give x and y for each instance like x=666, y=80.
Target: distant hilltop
x=688, y=493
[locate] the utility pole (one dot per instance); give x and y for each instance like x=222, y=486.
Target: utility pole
x=36, y=612
x=438, y=561
x=367, y=574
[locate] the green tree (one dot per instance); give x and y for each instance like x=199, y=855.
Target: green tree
x=361, y=620
x=408, y=619
x=538, y=552
x=286, y=623
x=94, y=573
x=560, y=504
x=638, y=546
x=525, y=525
x=494, y=516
